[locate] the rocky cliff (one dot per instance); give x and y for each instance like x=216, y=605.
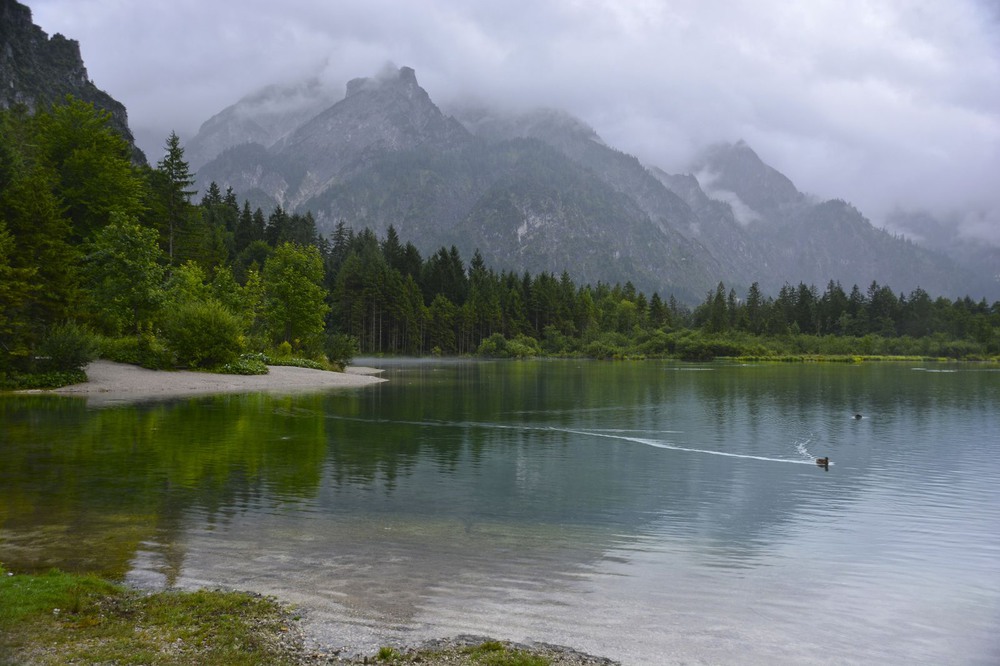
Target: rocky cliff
x=37, y=70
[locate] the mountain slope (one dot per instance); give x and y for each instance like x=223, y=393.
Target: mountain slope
x=800, y=239
x=262, y=118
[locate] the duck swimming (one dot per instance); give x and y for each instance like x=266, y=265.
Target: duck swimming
x=823, y=462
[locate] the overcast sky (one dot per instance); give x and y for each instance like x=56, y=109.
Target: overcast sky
x=883, y=103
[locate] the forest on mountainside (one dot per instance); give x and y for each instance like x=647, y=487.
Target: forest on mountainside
x=101, y=256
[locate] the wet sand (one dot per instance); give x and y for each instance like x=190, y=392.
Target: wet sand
x=110, y=382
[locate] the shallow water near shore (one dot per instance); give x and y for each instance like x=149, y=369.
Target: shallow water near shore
x=650, y=512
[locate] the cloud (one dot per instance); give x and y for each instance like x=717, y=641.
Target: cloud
x=885, y=103
x=743, y=213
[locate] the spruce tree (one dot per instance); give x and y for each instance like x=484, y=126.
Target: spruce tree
x=176, y=194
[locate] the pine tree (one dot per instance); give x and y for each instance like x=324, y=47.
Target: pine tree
x=175, y=182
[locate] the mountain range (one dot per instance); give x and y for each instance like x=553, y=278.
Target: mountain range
x=536, y=190
x=541, y=191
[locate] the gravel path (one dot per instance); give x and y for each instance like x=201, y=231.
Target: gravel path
x=110, y=382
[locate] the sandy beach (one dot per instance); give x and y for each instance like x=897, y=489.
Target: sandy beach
x=110, y=382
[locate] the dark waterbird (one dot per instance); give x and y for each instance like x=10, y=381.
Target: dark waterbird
x=824, y=463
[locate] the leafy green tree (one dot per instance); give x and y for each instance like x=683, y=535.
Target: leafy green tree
x=124, y=271
x=94, y=176
x=250, y=305
x=294, y=299
x=187, y=283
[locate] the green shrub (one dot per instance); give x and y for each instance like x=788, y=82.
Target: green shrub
x=42, y=380
x=524, y=346
x=494, y=346
x=145, y=350
x=203, y=334
x=67, y=347
x=497, y=346
x=341, y=348
x=603, y=350
x=247, y=364
x=296, y=362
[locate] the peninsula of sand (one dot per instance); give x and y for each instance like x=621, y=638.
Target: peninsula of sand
x=109, y=382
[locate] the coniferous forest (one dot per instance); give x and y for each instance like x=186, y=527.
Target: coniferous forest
x=100, y=257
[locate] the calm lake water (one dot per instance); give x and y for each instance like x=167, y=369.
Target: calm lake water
x=653, y=512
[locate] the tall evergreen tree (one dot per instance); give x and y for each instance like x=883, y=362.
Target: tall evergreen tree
x=756, y=317
x=15, y=289
x=174, y=186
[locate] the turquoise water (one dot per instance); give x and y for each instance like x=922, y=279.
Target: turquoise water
x=651, y=512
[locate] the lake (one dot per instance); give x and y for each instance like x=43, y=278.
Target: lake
x=651, y=512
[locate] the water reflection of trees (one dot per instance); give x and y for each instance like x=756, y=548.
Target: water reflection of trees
x=476, y=443
x=81, y=489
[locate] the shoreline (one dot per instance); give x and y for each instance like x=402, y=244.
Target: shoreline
x=110, y=382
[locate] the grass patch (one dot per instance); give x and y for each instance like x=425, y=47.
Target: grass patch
x=488, y=653
x=59, y=618
x=495, y=653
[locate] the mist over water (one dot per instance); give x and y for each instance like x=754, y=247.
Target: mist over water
x=630, y=510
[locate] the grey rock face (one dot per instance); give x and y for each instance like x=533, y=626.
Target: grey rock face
x=36, y=70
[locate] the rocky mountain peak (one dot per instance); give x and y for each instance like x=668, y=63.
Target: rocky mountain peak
x=402, y=79
x=262, y=117
x=37, y=70
x=387, y=112
x=733, y=172
x=539, y=191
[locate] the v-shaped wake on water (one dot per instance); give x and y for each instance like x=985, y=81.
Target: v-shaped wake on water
x=807, y=458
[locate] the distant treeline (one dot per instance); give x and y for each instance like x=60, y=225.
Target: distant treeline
x=87, y=239
x=393, y=302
